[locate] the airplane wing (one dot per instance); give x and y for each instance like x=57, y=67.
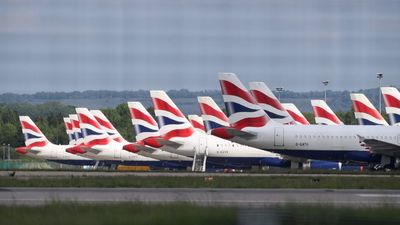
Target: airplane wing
x=381, y=147
x=169, y=143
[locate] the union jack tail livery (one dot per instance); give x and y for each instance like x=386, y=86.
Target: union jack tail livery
x=146, y=127
x=365, y=112
x=295, y=113
x=70, y=132
x=78, y=135
x=323, y=113
x=197, y=123
x=171, y=120
x=391, y=96
x=269, y=103
x=32, y=134
x=241, y=106
x=93, y=132
x=107, y=126
x=212, y=114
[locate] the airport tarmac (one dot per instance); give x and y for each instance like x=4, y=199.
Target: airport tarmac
x=231, y=197
x=61, y=174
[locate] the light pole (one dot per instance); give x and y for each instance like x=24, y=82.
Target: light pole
x=380, y=76
x=4, y=151
x=325, y=83
x=279, y=90
x=8, y=152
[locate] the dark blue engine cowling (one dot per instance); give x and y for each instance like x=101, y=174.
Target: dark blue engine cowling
x=275, y=162
x=318, y=164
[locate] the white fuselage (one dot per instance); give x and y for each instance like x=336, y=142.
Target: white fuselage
x=337, y=142
x=55, y=152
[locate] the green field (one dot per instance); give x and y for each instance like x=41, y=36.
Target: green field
x=187, y=214
x=203, y=182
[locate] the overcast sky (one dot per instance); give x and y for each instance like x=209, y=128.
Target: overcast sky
x=67, y=45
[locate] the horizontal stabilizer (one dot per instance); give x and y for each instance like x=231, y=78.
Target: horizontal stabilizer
x=91, y=150
x=239, y=133
x=164, y=142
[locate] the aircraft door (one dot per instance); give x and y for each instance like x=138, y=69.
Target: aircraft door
x=117, y=153
x=278, y=137
x=202, y=146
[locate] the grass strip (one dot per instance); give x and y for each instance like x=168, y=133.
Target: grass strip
x=207, y=182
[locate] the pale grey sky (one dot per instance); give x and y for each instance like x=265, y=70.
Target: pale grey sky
x=68, y=45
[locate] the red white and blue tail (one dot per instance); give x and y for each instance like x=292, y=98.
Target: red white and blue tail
x=323, y=113
x=212, y=114
x=365, y=112
x=107, y=126
x=68, y=129
x=146, y=127
x=171, y=120
x=241, y=106
x=270, y=103
x=93, y=133
x=391, y=97
x=76, y=128
x=32, y=134
x=197, y=123
x=295, y=113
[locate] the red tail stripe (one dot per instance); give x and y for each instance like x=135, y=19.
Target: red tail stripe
x=197, y=125
x=391, y=101
x=321, y=112
x=230, y=89
x=186, y=132
x=250, y=122
x=84, y=119
x=137, y=114
x=68, y=125
x=362, y=108
x=298, y=118
x=162, y=105
x=104, y=123
x=262, y=98
x=28, y=126
x=75, y=124
x=208, y=110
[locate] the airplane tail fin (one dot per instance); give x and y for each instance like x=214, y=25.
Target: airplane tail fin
x=171, y=120
x=295, y=113
x=93, y=133
x=365, y=112
x=270, y=103
x=76, y=128
x=107, y=126
x=32, y=134
x=212, y=114
x=69, y=130
x=146, y=127
x=323, y=113
x=241, y=106
x=391, y=96
x=197, y=123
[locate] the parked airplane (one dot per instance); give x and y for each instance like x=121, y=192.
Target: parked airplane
x=197, y=123
x=76, y=129
x=39, y=147
x=269, y=103
x=220, y=128
x=207, y=149
x=338, y=143
x=323, y=113
x=365, y=112
x=169, y=159
x=98, y=145
x=391, y=97
x=295, y=113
